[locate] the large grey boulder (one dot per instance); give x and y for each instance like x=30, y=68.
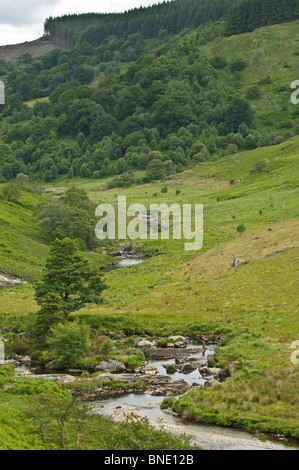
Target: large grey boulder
x=112, y=366
x=187, y=368
x=144, y=344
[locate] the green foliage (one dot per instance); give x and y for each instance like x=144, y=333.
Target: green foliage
x=260, y=166
x=135, y=360
x=170, y=369
x=72, y=216
x=137, y=434
x=10, y=192
x=248, y=15
x=69, y=275
x=35, y=387
x=241, y=228
x=69, y=343
x=52, y=311
x=153, y=21
x=107, y=347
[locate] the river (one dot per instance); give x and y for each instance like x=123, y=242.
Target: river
x=206, y=436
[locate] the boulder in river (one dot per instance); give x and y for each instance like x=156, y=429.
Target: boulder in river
x=150, y=370
x=187, y=368
x=112, y=366
x=210, y=371
x=144, y=344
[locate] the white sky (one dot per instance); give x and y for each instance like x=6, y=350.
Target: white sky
x=23, y=20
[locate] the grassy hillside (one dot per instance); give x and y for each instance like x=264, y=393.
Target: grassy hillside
x=173, y=103
x=23, y=250
x=271, y=57
x=253, y=305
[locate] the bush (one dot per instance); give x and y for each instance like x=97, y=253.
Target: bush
x=238, y=65
x=162, y=343
x=259, y=166
x=107, y=347
x=135, y=360
x=129, y=342
x=170, y=369
x=11, y=192
x=35, y=387
x=253, y=93
x=241, y=228
x=218, y=62
x=69, y=343
x=168, y=402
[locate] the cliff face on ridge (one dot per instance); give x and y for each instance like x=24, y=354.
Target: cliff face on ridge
x=11, y=53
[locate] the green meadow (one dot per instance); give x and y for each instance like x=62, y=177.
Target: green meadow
x=255, y=305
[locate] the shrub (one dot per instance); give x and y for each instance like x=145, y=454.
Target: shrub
x=162, y=343
x=218, y=62
x=69, y=343
x=129, y=342
x=259, y=166
x=135, y=360
x=107, y=347
x=35, y=387
x=241, y=228
x=238, y=65
x=168, y=402
x=253, y=93
x=11, y=192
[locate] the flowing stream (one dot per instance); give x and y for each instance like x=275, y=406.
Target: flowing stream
x=123, y=263
x=206, y=436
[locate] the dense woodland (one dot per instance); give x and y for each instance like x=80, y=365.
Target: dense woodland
x=167, y=17
x=248, y=15
x=130, y=103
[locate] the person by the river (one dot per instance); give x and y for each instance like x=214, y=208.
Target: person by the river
x=203, y=339
x=219, y=339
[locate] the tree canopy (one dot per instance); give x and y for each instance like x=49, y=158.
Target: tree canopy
x=69, y=275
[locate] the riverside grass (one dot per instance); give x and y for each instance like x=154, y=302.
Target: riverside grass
x=255, y=306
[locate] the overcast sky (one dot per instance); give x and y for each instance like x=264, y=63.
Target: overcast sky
x=22, y=20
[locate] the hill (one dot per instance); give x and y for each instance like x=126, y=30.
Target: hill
x=193, y=117
x=23, y=249
x=194, y=98
x=253, y=305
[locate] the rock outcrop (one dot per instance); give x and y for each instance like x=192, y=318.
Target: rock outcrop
x=112, y=366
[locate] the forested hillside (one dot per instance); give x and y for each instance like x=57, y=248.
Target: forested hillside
x=248, y=15
x=181, y=103
x=90, y=112
x=167, y=17
x=133, y=96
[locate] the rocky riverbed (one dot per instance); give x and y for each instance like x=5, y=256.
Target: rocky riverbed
x=142, y=393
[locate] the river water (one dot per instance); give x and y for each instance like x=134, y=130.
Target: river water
x=206, y=436
x=144, y=405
